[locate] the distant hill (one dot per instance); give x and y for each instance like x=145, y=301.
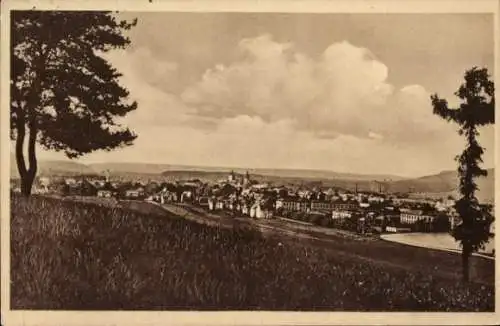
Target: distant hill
x=71, y=167
x=286, y=173
x=53, y=168
x=440, y=184
x=446, y=182
x=135, y=168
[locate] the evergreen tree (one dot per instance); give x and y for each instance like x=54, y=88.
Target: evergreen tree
x=477, y=108
x=64, y=95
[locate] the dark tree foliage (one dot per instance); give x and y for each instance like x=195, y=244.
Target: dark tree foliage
x=441, y=223
x=477, y=108
x=64, y=95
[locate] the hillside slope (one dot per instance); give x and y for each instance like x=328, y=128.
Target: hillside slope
x=446, y=182
x=52, y=168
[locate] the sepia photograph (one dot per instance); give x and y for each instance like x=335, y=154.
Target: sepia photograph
x=249, y=160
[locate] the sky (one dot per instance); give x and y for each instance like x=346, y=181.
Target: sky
x=342, y=92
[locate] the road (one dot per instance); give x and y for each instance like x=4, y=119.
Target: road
x=268, y=227
x=283, y=226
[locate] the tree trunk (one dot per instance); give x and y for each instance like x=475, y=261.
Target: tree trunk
x=27, y=175
x=26, y=185
x=21, y=163
x=466, y=252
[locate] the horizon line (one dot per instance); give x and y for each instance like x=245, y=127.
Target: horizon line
x=254, y=168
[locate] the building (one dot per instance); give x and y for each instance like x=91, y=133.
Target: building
x=412, y=201
x=245, y=209
x=168, y=196
x=317, y=205
x=246, y=180
x=98, y=183
x=375, y=199
x=40, y=189
x=393, y=229
x=106, y=190
x=387, y=219
x=444, y=205
x=44, y=181
x=70, y=181
x=219, y=203
x=260, y=186
x=364, y=205
x=304, y=193
x=204, y=201
x=104, y=193
x=135, y=193
x=344, y=206
x=229, y=204
x=258, y=211
x=279, y=203
x=211, y=203
x=338, y=214
x=231, y=177
x=293, y=204
x=82, y=188
x=413, y=216
x=186, y=196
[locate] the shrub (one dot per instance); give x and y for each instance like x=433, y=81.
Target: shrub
x=326, y=221
x=314, y=218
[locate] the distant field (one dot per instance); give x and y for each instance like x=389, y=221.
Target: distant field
x=69, y=255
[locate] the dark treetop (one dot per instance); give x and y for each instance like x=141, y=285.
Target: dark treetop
x=62, y=90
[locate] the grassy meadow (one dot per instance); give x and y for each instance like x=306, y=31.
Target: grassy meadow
x=75, y=256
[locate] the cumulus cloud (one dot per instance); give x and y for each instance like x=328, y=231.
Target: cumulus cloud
x=343, y=91
x=147, y=78
x=277, y=107
x=155, y=71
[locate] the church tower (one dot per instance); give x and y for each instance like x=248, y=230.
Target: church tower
x=246, y=180
x=231, y=176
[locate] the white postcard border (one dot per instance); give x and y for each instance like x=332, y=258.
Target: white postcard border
x=223, y=318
